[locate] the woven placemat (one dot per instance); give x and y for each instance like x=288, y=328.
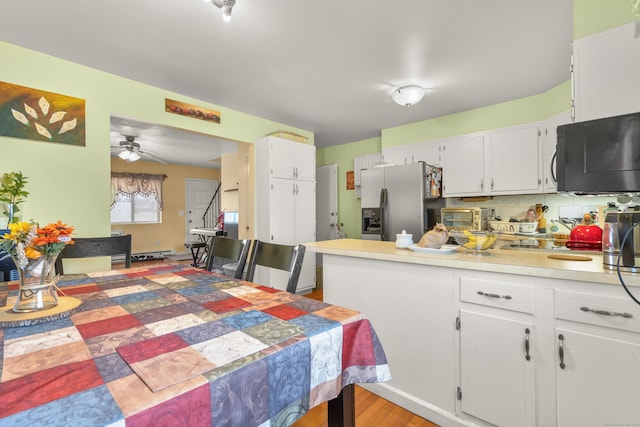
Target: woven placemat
x=10, y=319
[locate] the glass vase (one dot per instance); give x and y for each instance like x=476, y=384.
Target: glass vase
x=37, y=286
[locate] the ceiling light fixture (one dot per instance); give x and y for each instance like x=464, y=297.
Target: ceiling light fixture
x=129, y=155
x=225, y=6
x=124, y=154
x=408, y=95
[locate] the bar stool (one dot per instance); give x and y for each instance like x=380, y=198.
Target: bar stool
x=198, y=252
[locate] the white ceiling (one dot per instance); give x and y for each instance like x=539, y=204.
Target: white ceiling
x=326, y=66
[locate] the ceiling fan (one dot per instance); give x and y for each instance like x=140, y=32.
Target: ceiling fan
x=129, y=150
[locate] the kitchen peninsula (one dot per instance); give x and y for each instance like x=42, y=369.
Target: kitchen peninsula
x=511, y=339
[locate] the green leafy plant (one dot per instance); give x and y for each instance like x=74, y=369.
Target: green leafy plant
x=12, y=193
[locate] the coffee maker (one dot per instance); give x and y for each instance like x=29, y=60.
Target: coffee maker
x=616, y=226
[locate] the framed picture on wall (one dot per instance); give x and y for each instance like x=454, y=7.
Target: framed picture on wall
x=39, y=115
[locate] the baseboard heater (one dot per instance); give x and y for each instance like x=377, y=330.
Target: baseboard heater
x=143, y=256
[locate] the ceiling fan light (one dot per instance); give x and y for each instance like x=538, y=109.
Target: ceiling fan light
x=125, y=154
x=408, y=95
x=133, y=156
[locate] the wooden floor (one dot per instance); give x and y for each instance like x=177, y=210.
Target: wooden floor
x=371, y=410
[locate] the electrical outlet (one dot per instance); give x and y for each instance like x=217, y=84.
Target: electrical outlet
x=157, y=242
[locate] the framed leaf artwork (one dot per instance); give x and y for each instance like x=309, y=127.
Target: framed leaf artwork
x=39, y=115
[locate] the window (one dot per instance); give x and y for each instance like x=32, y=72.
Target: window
x=137, y=198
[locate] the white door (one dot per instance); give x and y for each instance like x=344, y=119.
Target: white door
x=327, y=202
x=199, y=193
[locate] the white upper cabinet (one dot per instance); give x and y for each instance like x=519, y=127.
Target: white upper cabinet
x=514, y=161
x=606, y=70
x=291, y=160
x=500, y=162
x=395, y=155
x=548, y=141
x=360, y=163
x=463, y=168
x=428, y=152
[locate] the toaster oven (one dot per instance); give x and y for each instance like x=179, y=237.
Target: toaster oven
x=472, y=219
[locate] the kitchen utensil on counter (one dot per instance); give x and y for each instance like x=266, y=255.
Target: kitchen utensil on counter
x=528, y=227
x=542, y=222
x=475, y=242
x=616, y=226
x=564, y=257
x=587, y=235
x=404, y=240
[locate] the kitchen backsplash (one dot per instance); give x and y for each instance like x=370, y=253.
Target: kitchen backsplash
x=559, y=205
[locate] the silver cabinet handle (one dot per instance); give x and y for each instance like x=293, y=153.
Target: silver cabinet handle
x=526, y=344
x=486, y=294
x=607, y=313
x=561, y=351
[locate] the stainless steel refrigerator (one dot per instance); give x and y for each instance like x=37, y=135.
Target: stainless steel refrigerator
x=396, y=198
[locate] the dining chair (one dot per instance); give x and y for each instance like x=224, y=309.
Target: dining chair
x=90, y=247
x=223, y=249
x=281, y=257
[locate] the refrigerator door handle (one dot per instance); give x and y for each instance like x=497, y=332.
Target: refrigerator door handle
x=383, y=204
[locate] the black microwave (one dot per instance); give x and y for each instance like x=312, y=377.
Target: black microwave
x=599, y=156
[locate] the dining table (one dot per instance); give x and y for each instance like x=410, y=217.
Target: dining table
x=170, y=344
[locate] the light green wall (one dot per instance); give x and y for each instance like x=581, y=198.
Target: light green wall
x=519, y=111
x=73, y=183
x=590, y=16
x=593, y=16
x=342, y=156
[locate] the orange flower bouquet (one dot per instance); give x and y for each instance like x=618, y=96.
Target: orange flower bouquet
x=34, y=251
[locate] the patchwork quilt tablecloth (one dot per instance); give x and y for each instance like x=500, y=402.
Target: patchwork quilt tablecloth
x=173, y=345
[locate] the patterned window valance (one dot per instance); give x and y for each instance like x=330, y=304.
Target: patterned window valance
x=130, y=184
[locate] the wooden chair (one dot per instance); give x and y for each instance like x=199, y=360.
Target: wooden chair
x=281, y=257
x=90, y=247
x=223, y=248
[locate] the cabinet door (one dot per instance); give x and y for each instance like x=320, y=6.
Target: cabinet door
x=514, y=161
x=304, y=163
x=281, y=158
x=607, y=66
x=600, y=382
x=549, y=139
x=359, y=163
x=428, y=152
x=463, y=170
x=395, y=156
x=496, y=379
x=281, y=211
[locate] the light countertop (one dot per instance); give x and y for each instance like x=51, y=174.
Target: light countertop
x=529, y=263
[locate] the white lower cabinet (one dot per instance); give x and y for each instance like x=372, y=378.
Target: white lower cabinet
x=497, y=382
x=598, y=380
x=597, y=360
x=479, y=348
x=497, y=363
